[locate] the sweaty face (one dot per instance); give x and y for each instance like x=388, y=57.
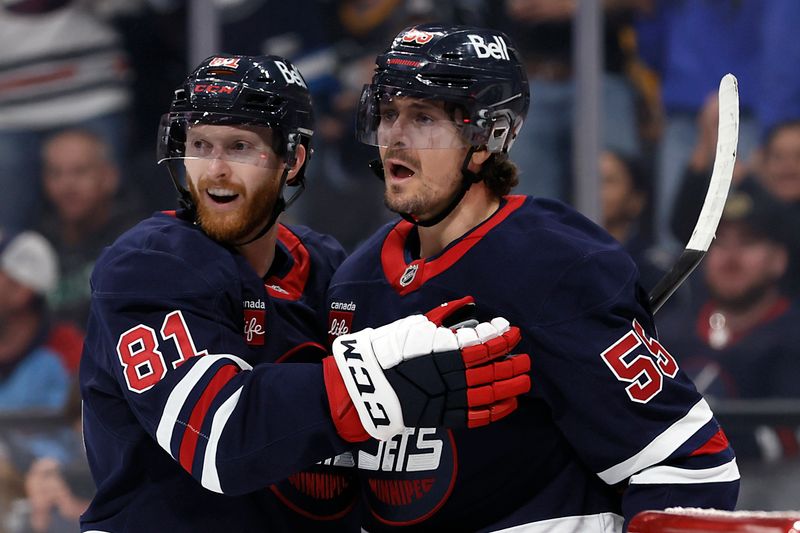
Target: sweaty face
x=742, y=265
x=420, y=179
x=234, y=194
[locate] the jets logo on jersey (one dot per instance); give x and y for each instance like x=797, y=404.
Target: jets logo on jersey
x=408, y=276
x=410, y=475
x=644, y=372
x=228, y=62
x=497, y=50
x=291, y=75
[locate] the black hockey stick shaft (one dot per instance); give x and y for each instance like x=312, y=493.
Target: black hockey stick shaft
x=673, y=279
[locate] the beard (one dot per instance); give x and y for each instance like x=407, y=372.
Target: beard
x=743, y=300
x=235, y=226
x=418, y=198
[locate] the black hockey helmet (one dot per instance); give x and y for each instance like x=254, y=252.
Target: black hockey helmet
x=478, y=70
x=478, y=74
x=264, y=91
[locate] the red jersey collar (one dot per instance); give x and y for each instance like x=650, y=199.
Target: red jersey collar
x=408, y=277
x=291, y=285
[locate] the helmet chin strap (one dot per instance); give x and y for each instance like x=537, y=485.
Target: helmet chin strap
x=468, y=177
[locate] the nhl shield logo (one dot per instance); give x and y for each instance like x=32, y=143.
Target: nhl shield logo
x=409, y=275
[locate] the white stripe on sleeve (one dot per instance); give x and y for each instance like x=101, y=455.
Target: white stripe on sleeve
x=210, y=478
x=662, y=446
x=182, y=390
x=671, y=475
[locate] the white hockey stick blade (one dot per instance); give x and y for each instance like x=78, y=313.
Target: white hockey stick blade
x=708, y=220
x=724, y=161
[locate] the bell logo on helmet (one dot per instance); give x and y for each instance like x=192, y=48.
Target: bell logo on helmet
x=229, y=62
x=415, y=36
x=291, y=75
x=497, y=50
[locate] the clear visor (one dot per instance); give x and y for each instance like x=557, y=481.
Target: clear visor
x=405, y=120
x=195, y=137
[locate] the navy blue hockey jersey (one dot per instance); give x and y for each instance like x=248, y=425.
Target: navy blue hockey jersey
x=611, y=425
x=187, y=418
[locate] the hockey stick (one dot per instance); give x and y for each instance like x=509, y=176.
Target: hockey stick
x=703, y=234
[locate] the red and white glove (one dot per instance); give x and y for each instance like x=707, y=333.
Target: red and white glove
x=416, y=373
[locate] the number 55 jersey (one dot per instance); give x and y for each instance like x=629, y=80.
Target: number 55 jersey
x=611, y=426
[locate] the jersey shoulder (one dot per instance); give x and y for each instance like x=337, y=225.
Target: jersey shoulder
x=566, y=263
x=325, y=251
x=365, y=262
x=164, y=255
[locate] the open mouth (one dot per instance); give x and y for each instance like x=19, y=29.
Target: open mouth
x=221, y=196
x=399, y=170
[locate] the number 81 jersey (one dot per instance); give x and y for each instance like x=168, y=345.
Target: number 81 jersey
x=611, y=425
x=188, y=418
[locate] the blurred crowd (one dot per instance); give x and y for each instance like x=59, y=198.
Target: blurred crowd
x=83, y=83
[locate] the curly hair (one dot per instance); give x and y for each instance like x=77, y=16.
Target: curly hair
x=499, y=174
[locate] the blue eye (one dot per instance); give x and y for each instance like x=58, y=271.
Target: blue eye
x=389, y=115
x=198, y=148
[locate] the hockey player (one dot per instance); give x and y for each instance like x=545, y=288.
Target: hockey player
x=189, y=414
x=611, y=425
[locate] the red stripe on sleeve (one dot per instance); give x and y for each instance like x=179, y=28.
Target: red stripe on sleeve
x=192, y=431
x=715, y=444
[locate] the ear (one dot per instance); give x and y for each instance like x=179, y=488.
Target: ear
x=300, y=159
x=111, y=179
x=478, y=158
x=636, y=203
x=780, y=261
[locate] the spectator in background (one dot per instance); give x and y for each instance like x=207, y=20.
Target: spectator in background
x=58, y=483
x=624, y=198
x=779, y=171
x=60, y=66
x=740, y=340
x=776, y=169
x=80, y=181
x=31, y=374
x=543, y=31
x=691, y=45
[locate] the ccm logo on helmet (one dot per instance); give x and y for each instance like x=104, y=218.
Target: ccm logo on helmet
x=208, y=88
x=291, y=75
x=498, y=49
x=364, y=384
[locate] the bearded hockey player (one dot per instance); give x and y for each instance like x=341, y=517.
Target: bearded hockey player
x=190, y=412
x=611, y=425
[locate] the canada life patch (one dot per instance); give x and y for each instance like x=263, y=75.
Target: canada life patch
x=340, y=319
x=255, y=326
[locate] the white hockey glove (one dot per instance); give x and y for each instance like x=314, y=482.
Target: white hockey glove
x=416, y=373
